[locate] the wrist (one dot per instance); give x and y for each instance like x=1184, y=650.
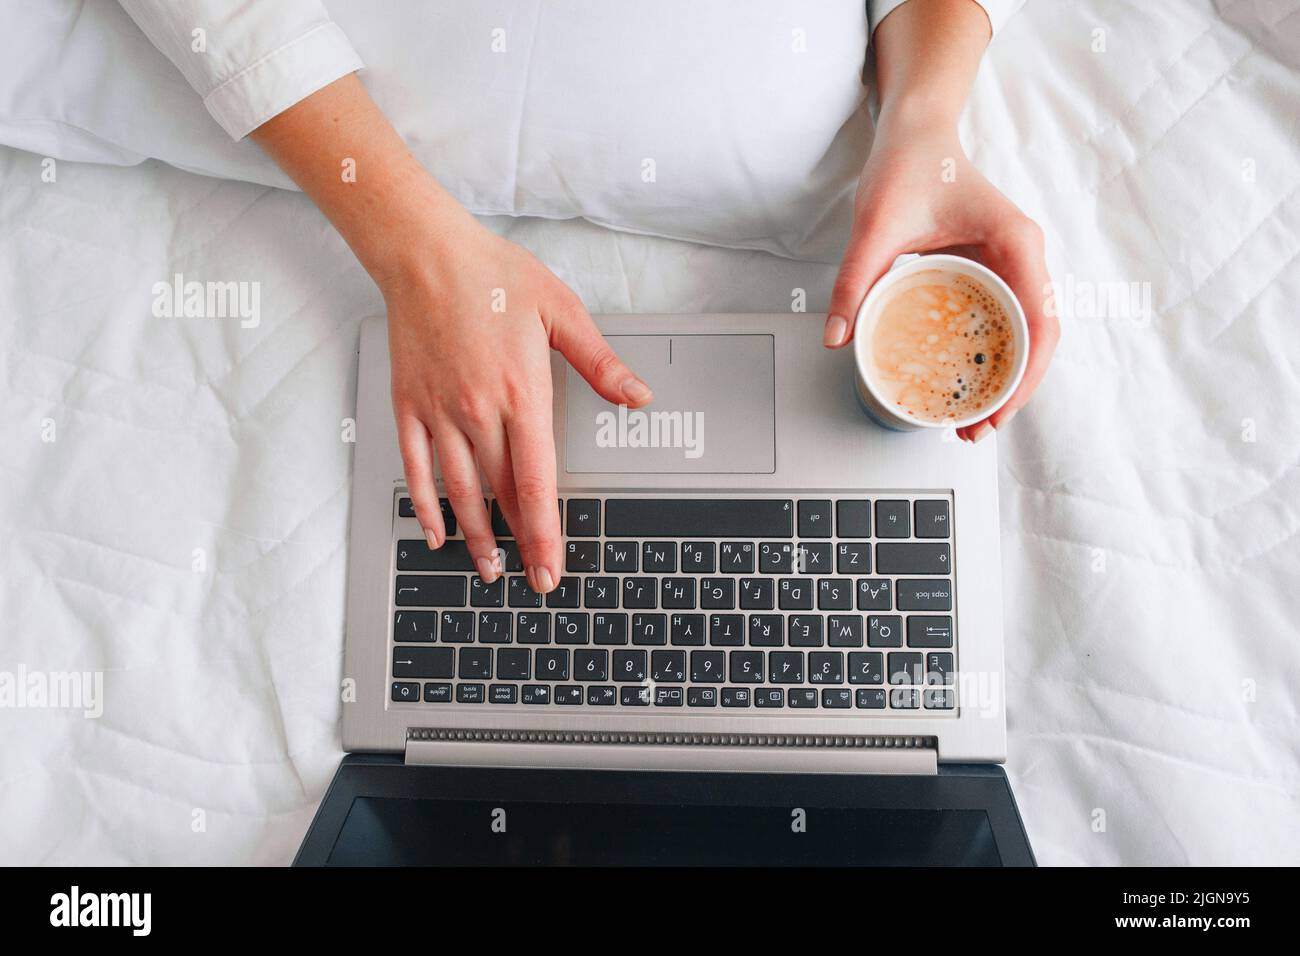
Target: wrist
x=918, y=115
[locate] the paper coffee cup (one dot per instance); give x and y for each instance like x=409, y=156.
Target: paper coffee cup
x=875, y=405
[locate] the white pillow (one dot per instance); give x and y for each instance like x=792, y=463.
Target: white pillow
x=735, y=124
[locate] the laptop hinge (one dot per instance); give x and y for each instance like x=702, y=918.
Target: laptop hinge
x=612, y=750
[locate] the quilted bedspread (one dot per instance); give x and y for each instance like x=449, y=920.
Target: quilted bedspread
x=174, y=492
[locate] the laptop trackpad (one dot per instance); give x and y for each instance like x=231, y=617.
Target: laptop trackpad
x=713, y=411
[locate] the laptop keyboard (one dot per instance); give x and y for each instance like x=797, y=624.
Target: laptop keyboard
x=748, y=601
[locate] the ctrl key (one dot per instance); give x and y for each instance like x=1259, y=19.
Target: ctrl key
x=405, y=692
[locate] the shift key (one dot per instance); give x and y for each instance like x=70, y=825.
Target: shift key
x=897, y=557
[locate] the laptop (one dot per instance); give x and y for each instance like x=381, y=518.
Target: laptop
x=778, y=638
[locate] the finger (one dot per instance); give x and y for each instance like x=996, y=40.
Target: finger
x=417, y=462
x=537, y=521
x=867, y=258
x=575, y=336
x=465, y=493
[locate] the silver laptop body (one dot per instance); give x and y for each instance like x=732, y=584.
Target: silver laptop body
x=767, y=415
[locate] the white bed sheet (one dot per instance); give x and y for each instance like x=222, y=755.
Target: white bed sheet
x=1150, y=495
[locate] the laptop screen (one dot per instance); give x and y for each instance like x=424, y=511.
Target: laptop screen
x=412, y=831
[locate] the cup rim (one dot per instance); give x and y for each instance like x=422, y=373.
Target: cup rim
x=962, y=265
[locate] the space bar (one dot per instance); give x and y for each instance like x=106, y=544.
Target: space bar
x=706, y=517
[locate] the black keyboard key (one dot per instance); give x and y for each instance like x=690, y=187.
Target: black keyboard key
x=775, y=557
x=405, y=508
x=853, y=557
x=804, y=630
x=567, y=593
x=677, y=593
x=620, y=557
x=814, y=519
x=589, y=665
x=584, y=518
x=853, y=518
x=582, y=557
x=875, y=594
x=572, y=627
x=812, y=557
x=659, y=557
x=687, y=629
x=938, y=668
x=708, y=667
x=514, y=663
x=736, y=557
x=537, y=694
x=503, y=693
x=602, y=695
x=727, y=630
x=699, y=557
x=795, y=594
x=551, y=663
x=475, y=663
x=834, y=594
x=457, y=627
x=736, y=696
x=717, y=594
x=929, y=630
x=487, y=595
x=904, y=698
x=837, y=698
x=634, y=696
x=785, y=667
x=414, y=554
x=916, y=558
x=844, y=630
x=884, y=630
x=499, y=526
x=802, y=697
x=924, y=594
x=494, y=627
x=769, y=697
x=932, y=519
x=469, y=693
x=757, y=594
x=640, y=592
x=649, y=629
x=866, y=667
x=568, y=694
x=766, y=630
x=701, y=697
x=668, y=696
x=437, y=693
x=415, y=626
x=629, y=666
x=938, y=698
x=826, y=667
x=609, y=629
x=425, y=590
x=600, y=592
x=747, y=667
x=893, y=519
x=906, y=668
x=436, y=662
x=533, y=627
x=705, y=517
x=519, y=594
x=668, y=667
x=448, y=516
x=405, y=692
x=870, y=698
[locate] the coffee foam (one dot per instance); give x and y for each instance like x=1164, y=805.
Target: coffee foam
x=942, y=347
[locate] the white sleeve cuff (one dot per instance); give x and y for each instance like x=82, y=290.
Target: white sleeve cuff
x=281, y=78
x=999, y=11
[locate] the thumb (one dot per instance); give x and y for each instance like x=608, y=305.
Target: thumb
x=576, y=337
x=865, y=260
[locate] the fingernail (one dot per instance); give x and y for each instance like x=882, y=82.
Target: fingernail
x=836, y=328
x=542, y=580
x=982, y=429
x=486, y=570
x=636, y=391
x=1006, y=419
x=432, y=539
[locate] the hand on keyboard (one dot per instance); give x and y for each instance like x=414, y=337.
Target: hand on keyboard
x=469, y=325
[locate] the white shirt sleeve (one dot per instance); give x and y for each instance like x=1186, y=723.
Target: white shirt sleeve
x=999, y=11
x=248, y=59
